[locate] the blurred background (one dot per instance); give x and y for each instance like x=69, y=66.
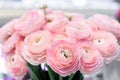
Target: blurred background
x=10, y=9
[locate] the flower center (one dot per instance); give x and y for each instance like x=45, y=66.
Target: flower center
x=13, y=59
x=65, y=57
x=65, y=53
x=86, y=51
x=37, y=40
x=78, y=28
x=99, y=40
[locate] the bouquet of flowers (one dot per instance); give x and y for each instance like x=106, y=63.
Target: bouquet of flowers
x=68, y=44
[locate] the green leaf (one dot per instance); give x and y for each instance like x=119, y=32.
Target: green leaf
x=33, y=76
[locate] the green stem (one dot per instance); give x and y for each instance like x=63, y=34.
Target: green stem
x=78, y=76
x=60, y=78
x=70, y=77
x=81, y=78
x=35, y=72
x=51, y=73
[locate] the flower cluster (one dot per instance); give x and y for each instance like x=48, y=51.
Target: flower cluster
x=67, y=42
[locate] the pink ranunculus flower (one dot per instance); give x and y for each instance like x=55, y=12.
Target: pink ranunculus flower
x=57, y=25
x=75, y=16
x=30, y=22
x=78, y=30
x=91, y=59
x=92, y=25
x=58, y=13
x=107, y=24
x=60, y=36
x=52, y=15
x=48, y=11
x=63, y=36
x=19, y=46
x=107, y=44
x=62, y=57
x=56, y=22
x=35, y=45
x=15, y=65
x=7, y=30
x=9, y=44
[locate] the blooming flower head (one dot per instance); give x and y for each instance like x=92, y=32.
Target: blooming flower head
x=56, y=22
x=107, y=24
x=10, y=43
x=78, y=30
x=91, y=59
x=15, y=65
x=62, y=57
x=30, y=22
x=107, y=44
x=35, y=45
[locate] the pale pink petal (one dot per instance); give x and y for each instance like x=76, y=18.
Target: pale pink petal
x=60, y=36
x=33, y=58
x=92, y=25
x=7, y=30
x=30, y=22
x=10, y=43
x=75, y=16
